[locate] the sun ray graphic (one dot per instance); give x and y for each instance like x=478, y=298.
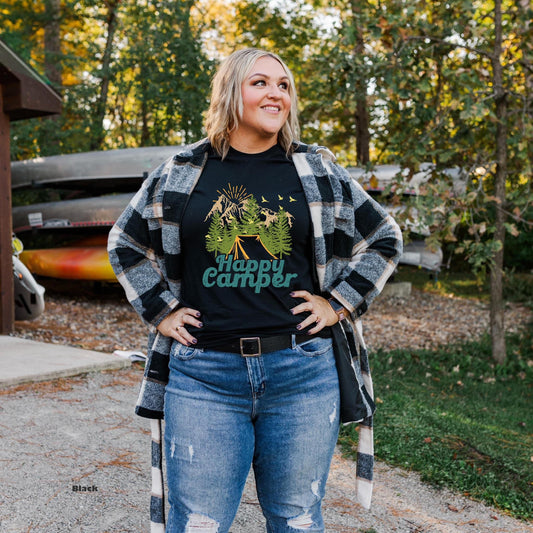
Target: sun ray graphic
x=235, y=198
x=236, y=193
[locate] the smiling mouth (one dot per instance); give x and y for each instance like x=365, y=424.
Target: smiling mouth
x=271, y=108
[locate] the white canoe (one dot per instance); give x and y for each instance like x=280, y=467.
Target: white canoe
x=83, y=212
x=108, y=170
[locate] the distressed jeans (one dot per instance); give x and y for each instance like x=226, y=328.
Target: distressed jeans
x=224, y=412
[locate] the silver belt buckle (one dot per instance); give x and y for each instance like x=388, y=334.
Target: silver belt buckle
x=252, y=345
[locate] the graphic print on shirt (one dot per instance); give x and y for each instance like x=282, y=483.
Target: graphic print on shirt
x=249, y=240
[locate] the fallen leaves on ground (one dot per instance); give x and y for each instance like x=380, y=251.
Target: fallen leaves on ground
x=107, y=322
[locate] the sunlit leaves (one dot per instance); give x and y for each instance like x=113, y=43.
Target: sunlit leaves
x=157, y=73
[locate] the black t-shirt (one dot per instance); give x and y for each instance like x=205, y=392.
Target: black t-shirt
x=246, y=242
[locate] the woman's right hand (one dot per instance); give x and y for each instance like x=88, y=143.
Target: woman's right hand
x=172, y=325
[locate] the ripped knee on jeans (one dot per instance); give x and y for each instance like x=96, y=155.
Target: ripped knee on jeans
x=303, y=521
x=199, y=523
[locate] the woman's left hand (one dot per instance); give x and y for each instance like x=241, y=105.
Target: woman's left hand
x=321, y=312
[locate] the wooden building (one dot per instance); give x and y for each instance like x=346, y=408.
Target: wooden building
x=23, y=94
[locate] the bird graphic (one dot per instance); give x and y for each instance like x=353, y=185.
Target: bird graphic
x=280, y=197
x=291, y=199
x=263, y=199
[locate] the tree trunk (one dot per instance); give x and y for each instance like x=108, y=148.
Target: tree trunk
x=497, y=330
x=525, y=6
x=52, y=44
x=362, y=133
x=145, y=130
x=99, y=133
x=53, y=68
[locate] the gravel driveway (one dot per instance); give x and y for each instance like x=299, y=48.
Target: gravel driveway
x=81, y=433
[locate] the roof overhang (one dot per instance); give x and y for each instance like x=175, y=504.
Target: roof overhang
x=25, y=93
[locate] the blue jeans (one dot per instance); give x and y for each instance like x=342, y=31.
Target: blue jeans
x=224, y=412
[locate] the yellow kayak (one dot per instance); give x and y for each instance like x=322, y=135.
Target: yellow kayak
x=75, y=262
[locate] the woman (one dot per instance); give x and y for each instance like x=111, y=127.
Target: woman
x=242, y=254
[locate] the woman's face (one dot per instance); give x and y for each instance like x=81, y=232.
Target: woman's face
x=266, y=104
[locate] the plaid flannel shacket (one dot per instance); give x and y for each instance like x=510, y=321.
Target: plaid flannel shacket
x=357, y=246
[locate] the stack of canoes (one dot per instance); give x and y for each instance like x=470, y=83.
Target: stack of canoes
x=97, y=186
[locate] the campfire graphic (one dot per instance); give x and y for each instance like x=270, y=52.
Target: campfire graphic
x=241, y=227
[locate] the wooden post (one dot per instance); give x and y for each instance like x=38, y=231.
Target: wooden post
x=23, y=95
x=7, y=296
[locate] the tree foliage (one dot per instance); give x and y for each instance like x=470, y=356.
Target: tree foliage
x=408, y=82
x=132, y=73
x=456, y=92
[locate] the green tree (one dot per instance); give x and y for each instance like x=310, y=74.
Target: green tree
x=215, y=236
x=250, y=221
x=164, y=73
x=233, y=230
x=61, y=40
x=105, y=74
x=131, y=73
x=338, y=78
x=453, y=92
x=280, y=235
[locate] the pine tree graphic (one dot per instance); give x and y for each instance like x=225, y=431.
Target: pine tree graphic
x=215, y=237
x=233, y=230
x=280, y=235
x=250, y=221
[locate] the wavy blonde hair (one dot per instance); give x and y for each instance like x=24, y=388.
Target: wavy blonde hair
x=226, y=107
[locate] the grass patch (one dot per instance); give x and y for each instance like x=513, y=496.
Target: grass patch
x=459, y=420
x=517, y=287
x=460, y=284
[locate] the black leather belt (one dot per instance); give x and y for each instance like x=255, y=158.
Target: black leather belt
x=255, y=346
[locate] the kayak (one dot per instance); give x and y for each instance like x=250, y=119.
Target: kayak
x=73, y=262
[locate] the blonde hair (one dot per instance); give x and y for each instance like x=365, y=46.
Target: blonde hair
x=226, y=107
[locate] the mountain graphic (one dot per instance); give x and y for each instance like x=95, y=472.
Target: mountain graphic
x=240, y=226
x=231, y=204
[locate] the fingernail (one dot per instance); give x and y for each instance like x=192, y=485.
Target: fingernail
x=291, y=294
x=298, y=326
x=201, y=325
x=292, y=311
x=194, y=341
x=198, y=314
